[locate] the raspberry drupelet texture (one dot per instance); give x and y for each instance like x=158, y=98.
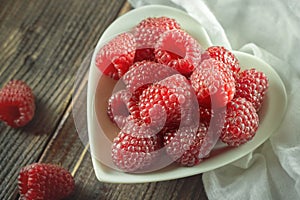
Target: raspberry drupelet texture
x=252, y=85
x=132, y=152
x=157, y=103
x=115, y=57
x=169, y=100
x=40, y=181
x=144, y=73
x=205, y=114
x=188, y=146
x=17, y=104
x=222, y=54
x=241, y=122
x=123, y=105
x=118, y=107
x=147, y=32
x=178, y=50
x=213, y=83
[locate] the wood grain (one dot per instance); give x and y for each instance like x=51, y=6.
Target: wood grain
x=44, y=43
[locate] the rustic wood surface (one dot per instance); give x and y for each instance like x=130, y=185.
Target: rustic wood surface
x=44, y=43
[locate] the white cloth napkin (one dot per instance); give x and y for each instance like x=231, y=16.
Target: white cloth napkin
x=269, y=29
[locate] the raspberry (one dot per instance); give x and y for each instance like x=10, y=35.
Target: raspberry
x=147, y=32
x=133, y=104
x=188, y=146
x=205, y=114
x=213, y=117
x=241, y=122
x=115, y=57
x=124, y=104
x=118, y=109
x=157, y=103
x=177, y=49
x=181, y=87
x=253, y=86
x=17, y=105
x=213, y=83
x=169, y=100
x=222, y=54
x=132, y=151
x=45, y=182
x=145, y=72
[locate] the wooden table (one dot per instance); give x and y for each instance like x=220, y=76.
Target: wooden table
x=44, y=43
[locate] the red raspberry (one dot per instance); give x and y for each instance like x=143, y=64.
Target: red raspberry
x=133, y=104
x=157, y=103
x=224, y=55
x=147, y=32
x=169, y=101
x=146, y=72
x=188, y=146
x=115, y=57
x=241, y=122
x=133, y=151
x=213, y=83
x=45, y=182
x=212, y=117
x=205, y=114
x=124, y=104
x=253, y=86
x=118, y=107
x=178, y=50
x=17, y=105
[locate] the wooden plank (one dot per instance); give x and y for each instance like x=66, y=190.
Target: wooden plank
x=126, y=7
x=43, y=43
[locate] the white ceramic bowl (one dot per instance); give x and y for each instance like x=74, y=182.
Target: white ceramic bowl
x=101, y=131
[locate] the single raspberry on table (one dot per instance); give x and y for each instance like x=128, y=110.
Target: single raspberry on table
x=213, y=83
x=179, y=50
x=188, y=146
x=252, y=85
x=241, y=122
x=147, y=32
x=224, y=55
x=115, y=57
x=17, y=104
x=41, y=181
x=133, y=151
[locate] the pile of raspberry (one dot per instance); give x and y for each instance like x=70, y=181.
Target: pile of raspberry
x=178, y=96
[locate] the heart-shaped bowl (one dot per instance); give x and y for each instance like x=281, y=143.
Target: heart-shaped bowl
x=101, y=130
